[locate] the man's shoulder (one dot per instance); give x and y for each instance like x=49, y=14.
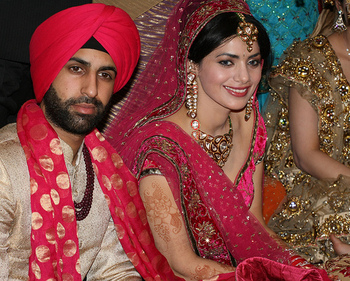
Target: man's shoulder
x=10, y=146
x=8, y=134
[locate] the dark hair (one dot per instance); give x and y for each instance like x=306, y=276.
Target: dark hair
x=221, y=28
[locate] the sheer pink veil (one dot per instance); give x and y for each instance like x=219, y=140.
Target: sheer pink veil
x=148, y=92
x=161, y=84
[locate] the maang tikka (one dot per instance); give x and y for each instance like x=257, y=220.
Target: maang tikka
x=247, y=32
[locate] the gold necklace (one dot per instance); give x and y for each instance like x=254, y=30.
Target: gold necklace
x=219, y=147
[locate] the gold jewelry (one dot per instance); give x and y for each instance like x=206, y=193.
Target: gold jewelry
x=219, y=147
x=328, y=2
x=339, y=25
x=247, y=32
x=248, y=108
x=191, y=94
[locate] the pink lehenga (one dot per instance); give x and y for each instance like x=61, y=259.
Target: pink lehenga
x=215, y=209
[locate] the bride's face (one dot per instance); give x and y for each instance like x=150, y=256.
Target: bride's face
x=228, y=76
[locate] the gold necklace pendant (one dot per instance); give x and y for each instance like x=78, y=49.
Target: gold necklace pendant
x=219, y=147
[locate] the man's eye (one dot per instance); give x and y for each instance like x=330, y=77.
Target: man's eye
x=76, y=68
x=106, y=75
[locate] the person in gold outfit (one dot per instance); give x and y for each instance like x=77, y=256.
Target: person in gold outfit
x=308, y=123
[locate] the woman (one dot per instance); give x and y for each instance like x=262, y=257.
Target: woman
x=203, y=194
x=308, y=124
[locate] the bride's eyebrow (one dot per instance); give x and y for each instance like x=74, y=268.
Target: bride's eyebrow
x=236, y=56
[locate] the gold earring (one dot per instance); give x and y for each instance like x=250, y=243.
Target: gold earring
x=339, y=25
x=328, y=2
x=191, y=94
x=248, y=108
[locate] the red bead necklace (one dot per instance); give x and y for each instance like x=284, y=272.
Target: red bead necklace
x=82, y=208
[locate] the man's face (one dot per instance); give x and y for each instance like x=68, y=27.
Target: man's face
x=77, y=99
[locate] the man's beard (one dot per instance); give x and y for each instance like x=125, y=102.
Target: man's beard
x=59, y=113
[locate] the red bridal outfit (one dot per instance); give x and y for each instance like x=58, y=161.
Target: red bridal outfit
x=215, y=209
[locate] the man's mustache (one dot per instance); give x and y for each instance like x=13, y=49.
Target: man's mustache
x=83, y=99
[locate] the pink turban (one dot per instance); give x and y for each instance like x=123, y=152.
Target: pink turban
x=58, y=38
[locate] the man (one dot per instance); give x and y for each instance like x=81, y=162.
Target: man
x=61, y=183
x=18, y=21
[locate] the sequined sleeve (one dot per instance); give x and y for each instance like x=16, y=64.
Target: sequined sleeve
x=313, y=68
x=309, y=66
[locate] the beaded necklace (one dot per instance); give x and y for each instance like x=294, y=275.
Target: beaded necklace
x=82, y=208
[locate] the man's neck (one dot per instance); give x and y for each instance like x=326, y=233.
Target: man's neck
x=74, y=141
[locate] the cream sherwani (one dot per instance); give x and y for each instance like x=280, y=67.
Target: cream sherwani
x=101, y=254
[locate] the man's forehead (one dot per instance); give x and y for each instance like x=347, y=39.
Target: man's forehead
x=89, y=55
x=92, y=43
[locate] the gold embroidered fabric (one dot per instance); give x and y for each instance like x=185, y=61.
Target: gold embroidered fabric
x=313, y=208
x=101, y=254
x=339, y=266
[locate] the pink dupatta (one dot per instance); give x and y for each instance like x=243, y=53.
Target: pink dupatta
x=182, y=161
x=54, y=241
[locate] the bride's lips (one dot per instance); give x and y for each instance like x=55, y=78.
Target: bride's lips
x=85, y=108
x=238, y=92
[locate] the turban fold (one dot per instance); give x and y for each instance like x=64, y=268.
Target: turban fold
x=58, y=38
